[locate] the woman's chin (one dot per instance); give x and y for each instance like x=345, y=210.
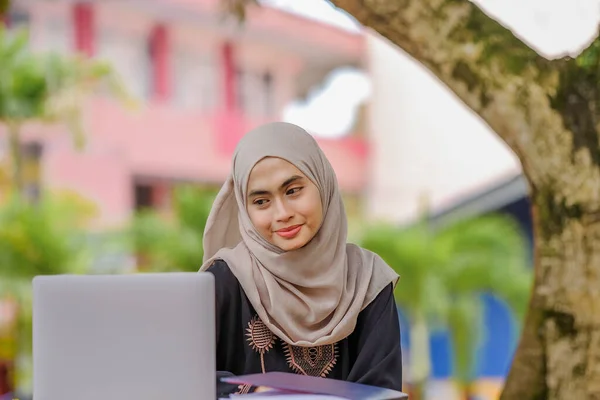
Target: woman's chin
x=292, y=244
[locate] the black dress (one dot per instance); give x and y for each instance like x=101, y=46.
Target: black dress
x=370, y=355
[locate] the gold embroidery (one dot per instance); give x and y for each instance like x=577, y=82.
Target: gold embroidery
x=260, y=338
x=313, y=361
x=243, y=389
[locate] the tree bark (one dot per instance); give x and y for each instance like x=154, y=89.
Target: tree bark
x=565, y=305
x=547, y=112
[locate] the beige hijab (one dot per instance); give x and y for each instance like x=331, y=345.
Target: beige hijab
x=310, y=296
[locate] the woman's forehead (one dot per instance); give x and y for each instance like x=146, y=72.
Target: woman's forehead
x=272, y=171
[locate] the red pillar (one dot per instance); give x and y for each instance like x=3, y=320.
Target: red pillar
x=230, y=122
x=161, y=194
x=84, y=28
x=160, y=50
x=229, y=78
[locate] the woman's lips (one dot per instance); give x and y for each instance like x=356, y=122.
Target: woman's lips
x=289, y=232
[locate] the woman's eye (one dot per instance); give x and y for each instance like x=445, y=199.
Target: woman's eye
x=260, y=202
x=293, y=190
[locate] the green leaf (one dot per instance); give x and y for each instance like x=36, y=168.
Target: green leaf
x=174, y=244
x=444, y=272
x=465, y=323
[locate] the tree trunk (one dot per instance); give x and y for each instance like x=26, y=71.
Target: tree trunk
x=420, y=355
x=16, y=155
x=417, y=391
x=4, y=8
x=563, y=328
x=548, y=113
x=465, y=388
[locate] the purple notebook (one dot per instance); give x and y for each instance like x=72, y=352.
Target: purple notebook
x=311, y=384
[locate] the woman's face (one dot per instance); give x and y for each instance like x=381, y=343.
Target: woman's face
x=283, y=204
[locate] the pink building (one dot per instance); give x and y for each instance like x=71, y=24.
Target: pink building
x=203, y=81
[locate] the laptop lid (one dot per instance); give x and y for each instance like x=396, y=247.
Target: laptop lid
x=124, y=337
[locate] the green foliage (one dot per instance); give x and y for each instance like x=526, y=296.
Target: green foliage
x=176, y=244
x=23, y=87
x=444, y=272
x=47, y=88
x=487, y=254
x=590, y=58
x=42, y=239
x=45, y=238
x=497, y=44
x=409, y=252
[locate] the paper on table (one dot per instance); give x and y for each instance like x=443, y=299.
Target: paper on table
x=285, y=396
x=330, y=388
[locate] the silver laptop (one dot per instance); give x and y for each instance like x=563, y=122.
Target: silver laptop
x=124, y=337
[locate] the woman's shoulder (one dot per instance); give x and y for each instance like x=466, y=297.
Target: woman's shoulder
x=227, y=286
x=381, y=304
x=221, y=271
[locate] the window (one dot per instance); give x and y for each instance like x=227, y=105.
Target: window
x=151, y=68
x=129, y=56
x=267, y=90
x=18, y=17
x=255, y=93
x=32, y=177
x=194, y=80
x=143, y=196
x=56, y=33
x=240, y=89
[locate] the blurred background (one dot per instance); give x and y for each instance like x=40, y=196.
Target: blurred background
x=118, y=120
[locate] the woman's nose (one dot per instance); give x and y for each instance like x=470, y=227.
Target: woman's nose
x=283, y=211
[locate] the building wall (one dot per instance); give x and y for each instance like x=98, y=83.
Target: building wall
x=424, y=142
x=200, y=87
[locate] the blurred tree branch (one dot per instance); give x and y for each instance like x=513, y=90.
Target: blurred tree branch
x=238, y=8
x=4, y=7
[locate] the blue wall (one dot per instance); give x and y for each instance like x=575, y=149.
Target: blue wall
x=498, y=343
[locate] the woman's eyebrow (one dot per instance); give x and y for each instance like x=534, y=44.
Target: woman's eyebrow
x=262, y=192
x=290, y=180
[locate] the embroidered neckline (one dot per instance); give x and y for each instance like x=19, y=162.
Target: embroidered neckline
x=313, y=361
x=260, y=338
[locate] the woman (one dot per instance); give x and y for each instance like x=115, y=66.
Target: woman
x=291, y=294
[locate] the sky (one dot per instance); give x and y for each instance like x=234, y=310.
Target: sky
x=553, y=27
